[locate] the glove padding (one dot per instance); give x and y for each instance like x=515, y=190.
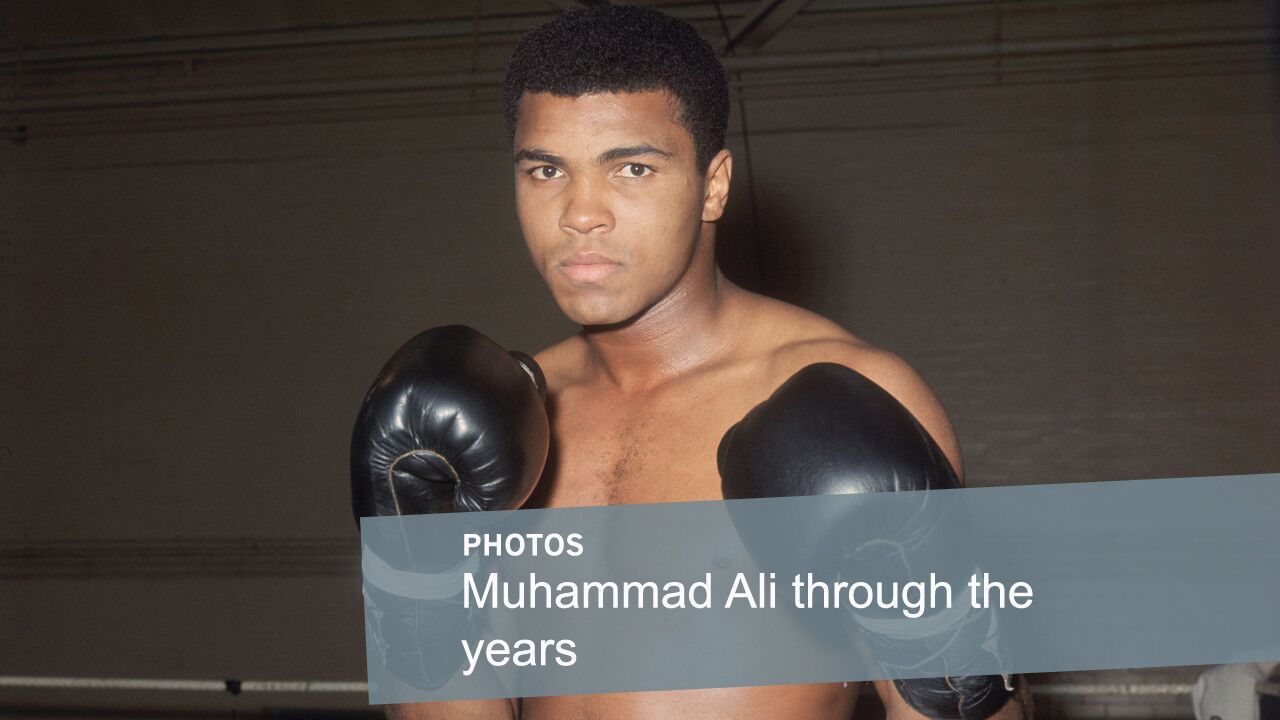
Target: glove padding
x=453, y=422
x=830, y=430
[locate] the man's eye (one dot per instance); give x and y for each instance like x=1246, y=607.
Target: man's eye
x=635, y=170
x=545, y=172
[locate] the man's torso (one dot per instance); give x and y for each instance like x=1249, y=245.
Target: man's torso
x=611, y=447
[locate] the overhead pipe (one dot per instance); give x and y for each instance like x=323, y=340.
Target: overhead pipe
x=461, y=29
x=862, y=57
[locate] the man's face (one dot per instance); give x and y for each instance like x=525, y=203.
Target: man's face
x=610, y=199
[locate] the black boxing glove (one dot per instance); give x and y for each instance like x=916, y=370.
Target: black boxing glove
x=830, y=430
x=453, y=422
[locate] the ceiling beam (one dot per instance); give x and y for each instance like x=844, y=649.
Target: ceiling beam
x=574, y=4
x=761, y=23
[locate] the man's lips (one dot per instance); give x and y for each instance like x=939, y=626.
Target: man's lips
x=588, y=267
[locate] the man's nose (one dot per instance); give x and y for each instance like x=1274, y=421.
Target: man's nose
x=587, y=210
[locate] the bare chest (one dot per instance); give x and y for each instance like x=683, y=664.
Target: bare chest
x=640, y=451
x=835, y=701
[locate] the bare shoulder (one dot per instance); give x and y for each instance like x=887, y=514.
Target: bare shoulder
x=563, y=363
x=814, y=339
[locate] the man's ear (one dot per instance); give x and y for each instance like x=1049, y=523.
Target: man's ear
x=716, y=191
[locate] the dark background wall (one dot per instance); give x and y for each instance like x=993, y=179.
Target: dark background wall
x=214, y=227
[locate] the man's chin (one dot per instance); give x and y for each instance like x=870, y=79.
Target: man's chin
x=599, y=316
x=603, y=321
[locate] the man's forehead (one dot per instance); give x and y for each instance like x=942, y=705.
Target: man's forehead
x=650, y=115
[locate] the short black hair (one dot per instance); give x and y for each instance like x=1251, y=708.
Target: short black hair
x=624, y=48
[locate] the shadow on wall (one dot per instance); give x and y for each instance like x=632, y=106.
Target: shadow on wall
x=754, y=254
x=737, y=243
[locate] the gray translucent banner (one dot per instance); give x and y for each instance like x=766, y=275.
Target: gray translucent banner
x=1183, y=571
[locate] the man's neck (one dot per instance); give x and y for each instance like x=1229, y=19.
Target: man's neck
x=689, y=327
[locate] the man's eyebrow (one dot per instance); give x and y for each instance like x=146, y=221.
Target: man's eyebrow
x=536, y=155
x=606, y=157
x=616, y=154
